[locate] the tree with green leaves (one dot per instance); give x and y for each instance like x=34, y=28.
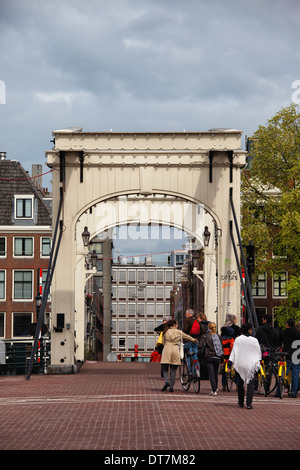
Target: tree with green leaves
x=270, y=194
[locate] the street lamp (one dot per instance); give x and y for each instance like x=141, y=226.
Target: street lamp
x=86, y=236
x=206, y=236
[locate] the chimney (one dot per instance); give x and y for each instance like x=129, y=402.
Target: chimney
x=2, y=155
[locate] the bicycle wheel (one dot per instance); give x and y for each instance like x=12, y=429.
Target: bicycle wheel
x=230, y=380
x=184, y=376
x=281, y=387
x=196, y=376
x=271, y=381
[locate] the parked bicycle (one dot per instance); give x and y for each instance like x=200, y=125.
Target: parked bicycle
x=187, y=376
x=229, y=376
x=284, y=379
x=265, y=380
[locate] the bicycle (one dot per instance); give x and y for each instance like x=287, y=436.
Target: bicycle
x=229, y=376
x=265, y=380
x=284, y=379
x=186, y=376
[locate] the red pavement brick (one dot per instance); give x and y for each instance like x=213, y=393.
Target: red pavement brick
x=120, y=406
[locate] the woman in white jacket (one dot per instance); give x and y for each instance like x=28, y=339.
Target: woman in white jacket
x=170, y=355
x=245, y=358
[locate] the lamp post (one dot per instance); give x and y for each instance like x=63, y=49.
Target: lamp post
x=85, y=236
x=206, y=236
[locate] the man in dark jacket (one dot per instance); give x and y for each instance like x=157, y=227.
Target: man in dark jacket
x=267, y=336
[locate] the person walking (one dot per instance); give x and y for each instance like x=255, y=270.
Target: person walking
x=170, y=358
x=159, y=345
x=212, y=355
x=245, y=358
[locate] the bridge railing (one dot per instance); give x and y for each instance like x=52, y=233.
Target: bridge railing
x=15, y=355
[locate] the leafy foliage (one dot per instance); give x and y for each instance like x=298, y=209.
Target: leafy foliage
x=271, y=199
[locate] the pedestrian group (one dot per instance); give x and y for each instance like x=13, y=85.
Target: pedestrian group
x=237, y=345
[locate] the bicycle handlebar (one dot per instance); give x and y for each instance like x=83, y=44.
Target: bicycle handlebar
x=281, y=353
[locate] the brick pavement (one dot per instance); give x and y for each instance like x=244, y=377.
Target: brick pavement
x=120, y=406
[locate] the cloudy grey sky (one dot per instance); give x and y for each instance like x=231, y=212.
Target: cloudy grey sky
x=141, y=65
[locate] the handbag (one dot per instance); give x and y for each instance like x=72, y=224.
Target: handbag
x=160, y=339
x=181, y=349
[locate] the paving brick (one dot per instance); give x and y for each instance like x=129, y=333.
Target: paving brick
x=120, y=407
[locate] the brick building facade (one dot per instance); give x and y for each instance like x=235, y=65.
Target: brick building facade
x=25, y=243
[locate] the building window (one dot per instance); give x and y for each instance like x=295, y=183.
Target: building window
x=160, y=310
x=132, y=292
x=150, y=326
x=260, y=312
x=122, y=275
x=2, y=325
x=141, y=343
x=122, y=309
x=141, y=276
x=131, y=342
x=122, y=343
x=3, y=246
x=24, y=207
x=279, y=284
x=150, y=275
x=159, y=276
x=122, y=326
x=131, y=326
x=169, y=276
x=23, y=246
x=22, y=285
x=150, y=292
x=2, y=285
x=131, y=275
x=150, y=309
x=150, y=343
x=97, y=246
x=122, y=292
x=131, y=309
x=260, y=286
x=22, y=324
x=140, y=326
x=167, y=293
x=140, y=310
x=45, y=246
x=160, y=292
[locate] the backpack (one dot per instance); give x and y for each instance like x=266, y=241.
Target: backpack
x=227, y=344
x=195, y=330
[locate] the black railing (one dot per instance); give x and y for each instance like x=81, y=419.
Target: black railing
x=15, y=356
